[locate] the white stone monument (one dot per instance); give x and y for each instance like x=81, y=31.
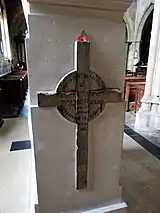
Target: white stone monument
x=54, y=26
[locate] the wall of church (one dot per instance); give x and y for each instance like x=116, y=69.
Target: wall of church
x=137, y=13
x=131, y=13
x=4, y=30
x=135, y=18
x=16, y=24
x=144, y=7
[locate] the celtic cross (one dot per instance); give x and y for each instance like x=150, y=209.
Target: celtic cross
x=80, y=97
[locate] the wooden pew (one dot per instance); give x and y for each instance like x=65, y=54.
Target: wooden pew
x=136, y=88
x=14, y=87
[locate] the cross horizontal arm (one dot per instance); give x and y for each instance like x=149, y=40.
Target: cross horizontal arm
x=113, y=95
x=47, y=99
x=108, y=95
x=51, y=99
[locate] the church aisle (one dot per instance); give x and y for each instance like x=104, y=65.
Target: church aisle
x=140, y=177
x=140, y=173
x=15, y=173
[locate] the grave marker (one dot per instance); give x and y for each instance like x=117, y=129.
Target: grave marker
x=81, y=96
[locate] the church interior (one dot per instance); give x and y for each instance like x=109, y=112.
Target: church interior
x=19, y=162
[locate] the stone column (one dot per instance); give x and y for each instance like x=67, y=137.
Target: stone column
x=54, y=26
x=135, y=57
x=148, y=115
x=130, y=56
x=147, y=99
x=26, y=9
x=155, y=92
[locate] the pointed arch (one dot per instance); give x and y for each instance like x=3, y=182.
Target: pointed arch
x=129, y=27
x=143, y=21
x=18, y=25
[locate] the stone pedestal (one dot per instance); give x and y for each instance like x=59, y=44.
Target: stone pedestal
x=54, y=26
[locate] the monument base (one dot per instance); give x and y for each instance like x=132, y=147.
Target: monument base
x=147, y=121
x=114, y=208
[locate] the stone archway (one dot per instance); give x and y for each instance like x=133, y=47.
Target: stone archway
x=145, y=39
x=129, y=27
x=138, y=37
x=18, y=25
x=129, y=35
x=139, y=31
x=143, y=21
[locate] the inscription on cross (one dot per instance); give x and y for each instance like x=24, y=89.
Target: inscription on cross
x=80, y=97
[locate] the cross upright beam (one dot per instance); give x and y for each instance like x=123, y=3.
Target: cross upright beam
x=82, y=112
x=83, y=56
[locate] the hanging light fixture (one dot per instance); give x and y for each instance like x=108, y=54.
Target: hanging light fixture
x=135, y=54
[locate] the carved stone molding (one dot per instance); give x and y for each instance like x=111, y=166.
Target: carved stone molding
x=109, y=5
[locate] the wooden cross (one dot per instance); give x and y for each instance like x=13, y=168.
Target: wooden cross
x=81, y=96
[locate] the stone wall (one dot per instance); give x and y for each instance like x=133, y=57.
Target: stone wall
x=16, y=23
x=135, y=18
x=142, y=6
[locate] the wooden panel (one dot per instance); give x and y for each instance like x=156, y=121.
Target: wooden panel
x=14, y=87
x=131, y=86
x=139, y=96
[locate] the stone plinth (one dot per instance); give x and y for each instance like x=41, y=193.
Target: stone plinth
x=53, y=27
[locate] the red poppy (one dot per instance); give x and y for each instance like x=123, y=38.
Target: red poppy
x=132, y=106
x=82, y=38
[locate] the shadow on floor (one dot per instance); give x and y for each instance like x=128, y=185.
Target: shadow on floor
x=140, y=176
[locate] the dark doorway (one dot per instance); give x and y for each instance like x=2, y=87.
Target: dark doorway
x=145, y=39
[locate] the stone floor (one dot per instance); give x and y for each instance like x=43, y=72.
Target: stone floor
x=140, y=177
x=153, y=135
x=140, y=174
x=17, y=175
x=25, y=110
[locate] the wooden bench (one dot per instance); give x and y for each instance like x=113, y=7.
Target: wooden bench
x=14, y=88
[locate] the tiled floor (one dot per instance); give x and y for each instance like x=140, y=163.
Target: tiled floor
x=140, y=174
x=17, y=179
